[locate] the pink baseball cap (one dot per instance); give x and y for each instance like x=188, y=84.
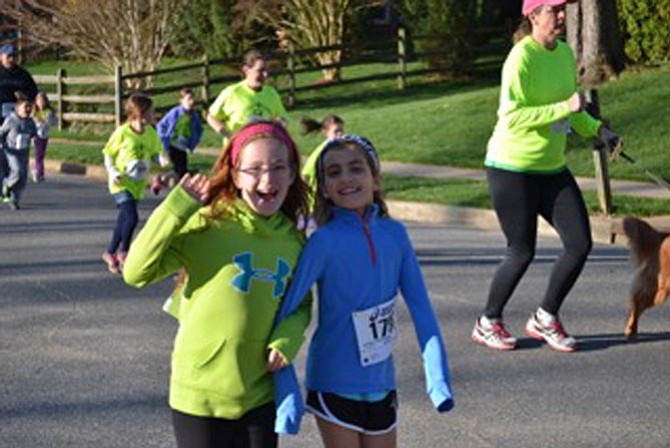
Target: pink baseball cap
x=530, y=5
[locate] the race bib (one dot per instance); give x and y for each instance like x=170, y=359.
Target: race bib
x=22, y=141
x=561, y=127
x=137, y=169
x=375, y=332
x=7, y=109
x=180, y=142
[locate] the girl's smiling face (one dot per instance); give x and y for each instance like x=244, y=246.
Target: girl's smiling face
x=264, y=175
x=348, y=180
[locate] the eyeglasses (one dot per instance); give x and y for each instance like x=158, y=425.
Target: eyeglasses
x=257, y=171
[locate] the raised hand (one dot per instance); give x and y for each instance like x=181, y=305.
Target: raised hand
x=576, y=102
x=197, y=187
x=275, y=361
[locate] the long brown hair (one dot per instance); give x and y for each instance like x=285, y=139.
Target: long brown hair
x=137, y=105
x=323, y=210
x=223, y=191
x=525, y=28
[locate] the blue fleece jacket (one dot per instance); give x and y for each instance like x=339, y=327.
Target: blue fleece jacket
x=166, y=125
x=359, y=264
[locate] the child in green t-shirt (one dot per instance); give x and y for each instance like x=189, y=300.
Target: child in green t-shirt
x=128, y=155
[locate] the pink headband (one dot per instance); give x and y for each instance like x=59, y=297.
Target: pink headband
x=265, y=128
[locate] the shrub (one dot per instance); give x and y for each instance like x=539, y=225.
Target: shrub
x=644, y=24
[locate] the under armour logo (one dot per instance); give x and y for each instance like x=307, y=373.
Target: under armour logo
x=242, y=281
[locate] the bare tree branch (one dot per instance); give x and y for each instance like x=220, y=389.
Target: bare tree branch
x=133, y=34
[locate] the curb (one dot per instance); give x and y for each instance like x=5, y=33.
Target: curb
x=604, y=229
x=79, y=169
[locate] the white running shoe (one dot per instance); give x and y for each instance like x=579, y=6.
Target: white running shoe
x=553, y=333
x=494, y=336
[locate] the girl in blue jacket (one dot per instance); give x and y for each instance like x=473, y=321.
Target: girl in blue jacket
x=180, y=131
x=360, y=259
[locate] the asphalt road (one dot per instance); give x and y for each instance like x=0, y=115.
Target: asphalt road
x=84, y=359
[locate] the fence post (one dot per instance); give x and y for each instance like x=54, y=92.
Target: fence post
x=118, y=96
x=290, y=67
x=600, y=158
x=205, y=79
x=402, y=61
x=60, y=90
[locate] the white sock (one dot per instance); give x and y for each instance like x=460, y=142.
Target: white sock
x=545, y=317
x=486, y=322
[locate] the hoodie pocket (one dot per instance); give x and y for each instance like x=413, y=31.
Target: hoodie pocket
x=199, y=354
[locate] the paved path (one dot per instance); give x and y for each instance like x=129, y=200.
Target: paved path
x=84, y=359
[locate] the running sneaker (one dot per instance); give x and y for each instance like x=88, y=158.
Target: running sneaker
x=494, y=336
x=553, y=333
x=121, y=258
x=156, y=185
x=112, y=263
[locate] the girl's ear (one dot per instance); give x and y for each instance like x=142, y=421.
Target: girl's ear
x=293, y=174
x=236, y=179
x=376, y=183
x=322, y=189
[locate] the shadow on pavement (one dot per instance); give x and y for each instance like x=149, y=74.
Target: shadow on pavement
x=589, y=343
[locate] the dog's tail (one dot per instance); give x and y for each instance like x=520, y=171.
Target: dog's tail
x=643, y=238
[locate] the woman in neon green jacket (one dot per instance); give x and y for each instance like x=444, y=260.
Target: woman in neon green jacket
x=528, y=176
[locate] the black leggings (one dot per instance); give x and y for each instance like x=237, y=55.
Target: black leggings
x=518, y=199
x=179, y=161
x=126, y=222
x=255, y=429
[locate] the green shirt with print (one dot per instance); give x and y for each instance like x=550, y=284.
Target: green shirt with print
x=238, y=268
x=182, y=132
x=238, y=104
x=126, y=147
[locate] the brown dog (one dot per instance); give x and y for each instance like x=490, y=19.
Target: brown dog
x=652, y=282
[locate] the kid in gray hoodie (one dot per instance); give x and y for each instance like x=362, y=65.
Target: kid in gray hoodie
x=17, y=131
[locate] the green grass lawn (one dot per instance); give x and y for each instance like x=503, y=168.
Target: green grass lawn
x=467, y=193
x=449, y=123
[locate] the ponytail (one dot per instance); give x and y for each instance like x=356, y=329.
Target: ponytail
x=524, y=29
x=309, y=125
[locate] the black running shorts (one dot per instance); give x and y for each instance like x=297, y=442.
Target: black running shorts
x=373, y=418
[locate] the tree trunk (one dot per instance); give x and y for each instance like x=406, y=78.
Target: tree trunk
x=593, y=34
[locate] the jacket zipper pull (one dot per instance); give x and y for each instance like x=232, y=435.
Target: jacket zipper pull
x=371, y=247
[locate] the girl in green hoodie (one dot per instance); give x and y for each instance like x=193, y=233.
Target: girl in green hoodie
x=235, y=236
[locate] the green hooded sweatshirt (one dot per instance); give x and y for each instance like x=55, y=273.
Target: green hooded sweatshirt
x=238, y=268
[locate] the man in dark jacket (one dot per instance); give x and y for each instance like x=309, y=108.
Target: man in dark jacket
x=13, y=79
